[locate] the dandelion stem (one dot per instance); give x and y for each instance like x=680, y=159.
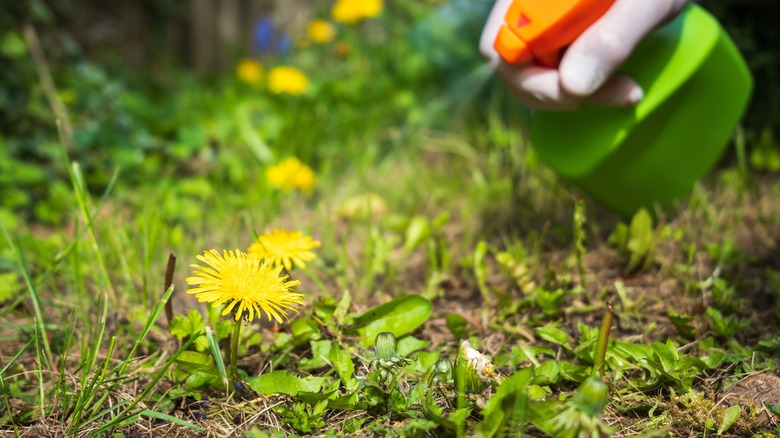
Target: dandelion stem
x=599, y=358
x=234, y=353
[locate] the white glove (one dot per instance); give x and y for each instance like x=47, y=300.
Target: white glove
x=586, y=71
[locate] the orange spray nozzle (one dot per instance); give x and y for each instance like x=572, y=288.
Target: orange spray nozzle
x=539, y=30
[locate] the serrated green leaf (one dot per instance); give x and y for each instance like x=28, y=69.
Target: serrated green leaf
x=319, y=355
x=192, y=361
x=314, y=397
x=714, y=360
x=351, y=401
x=341, y=310
x=282, y=382
x=530, y=353
x=201, y=378
x=555, y=335
x=185, y=326
x=224, y=329
x=425, y=360
x=682, y=323
x=407, y=345
x=546, y=373
x=342, y=363
x=304, y=329
x=572, y=372
x=637, y=352
x=398, y=316
x=536, y=393
x=729, y=417
x=666, y=355
x=398, y=400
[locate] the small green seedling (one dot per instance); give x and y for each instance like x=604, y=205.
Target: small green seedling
x=637, y=242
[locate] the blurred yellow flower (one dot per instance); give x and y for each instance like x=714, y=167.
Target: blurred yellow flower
x=254, y=285
x=283, y=248
x=321, y=31
x=287, y=80
x=352, y=11
x=249, y=71
x=291, y=174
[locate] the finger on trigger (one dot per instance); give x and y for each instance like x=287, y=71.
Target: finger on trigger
x=600, y=50
x=537, y=83
x=617, y=91
x=492, y=26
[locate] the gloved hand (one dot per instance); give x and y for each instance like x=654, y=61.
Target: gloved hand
x=585, y=73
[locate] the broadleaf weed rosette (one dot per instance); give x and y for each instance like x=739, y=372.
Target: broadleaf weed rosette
x=247, y=286
x=283, y=248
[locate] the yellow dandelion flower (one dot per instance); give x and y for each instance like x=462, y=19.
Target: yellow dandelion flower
x=287, y=80
x=249, y=71
x=283, y=248
x=352, y=11
x=291, y=174
x=253, y=285
x=321, y=31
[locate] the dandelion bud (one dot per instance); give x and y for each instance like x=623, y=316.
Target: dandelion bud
x=385, y=346
x=443, y=370
x=470, y=368
x=592, y=396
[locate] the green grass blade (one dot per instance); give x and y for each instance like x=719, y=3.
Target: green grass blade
x=16, y=250
x=125, y=414
x=82, y=199
x=85, y=392
x=107, y=411
x=156, y=311
x=214, y=344
x=171, y=418
x=10, y=363
x=63, y=395
x=99, y=381
x=39, y=374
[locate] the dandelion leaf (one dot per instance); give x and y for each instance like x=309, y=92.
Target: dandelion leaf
x=399, y=316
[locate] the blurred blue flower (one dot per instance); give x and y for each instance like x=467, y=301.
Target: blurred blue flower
x=265, y=38
x=263, y=34
x=283, y=45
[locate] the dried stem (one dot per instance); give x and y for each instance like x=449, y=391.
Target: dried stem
x=168, y=282
x=47, y=83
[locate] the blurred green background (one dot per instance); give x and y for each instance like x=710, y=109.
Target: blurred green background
x=151, y=88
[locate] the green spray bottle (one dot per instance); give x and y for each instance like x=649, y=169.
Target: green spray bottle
x=696, y=86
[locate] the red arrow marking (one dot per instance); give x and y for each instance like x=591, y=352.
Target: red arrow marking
x=522, y=21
